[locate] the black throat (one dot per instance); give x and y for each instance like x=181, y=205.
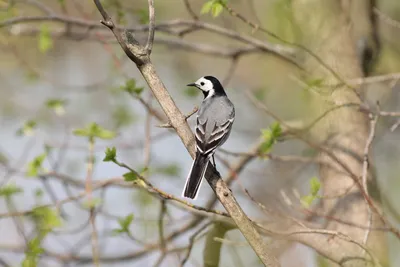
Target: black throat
x=218, y=89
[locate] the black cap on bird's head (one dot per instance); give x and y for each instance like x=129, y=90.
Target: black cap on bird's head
x=209, y=85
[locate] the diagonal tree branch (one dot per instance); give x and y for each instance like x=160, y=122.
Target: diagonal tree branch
x=178, y=121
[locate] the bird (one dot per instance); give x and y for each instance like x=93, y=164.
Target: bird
x=215, y=118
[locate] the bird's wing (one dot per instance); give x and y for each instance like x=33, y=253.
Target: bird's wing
x=206, y=144
x=200, y=135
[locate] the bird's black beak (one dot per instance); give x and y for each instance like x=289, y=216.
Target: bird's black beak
x=192, y=84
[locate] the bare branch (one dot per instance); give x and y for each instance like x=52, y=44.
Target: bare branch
x=152, y=25
x=107, y=21
x=365, y=167
x=388, y=20
x=171, y=27
x=163, y=210
x=168, y=125
x=373, y=79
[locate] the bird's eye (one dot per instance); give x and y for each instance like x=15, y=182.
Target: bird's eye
x=202, y=83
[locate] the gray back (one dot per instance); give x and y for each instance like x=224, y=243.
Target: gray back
x=216, y=110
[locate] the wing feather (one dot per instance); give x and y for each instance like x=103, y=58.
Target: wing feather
x=207, y=144
x=218, y=136
x=200, y=135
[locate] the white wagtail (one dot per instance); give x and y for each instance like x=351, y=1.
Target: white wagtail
x=214, y=123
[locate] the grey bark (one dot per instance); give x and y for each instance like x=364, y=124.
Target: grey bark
x=328, y=33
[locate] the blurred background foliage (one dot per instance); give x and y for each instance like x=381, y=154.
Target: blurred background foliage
x=52, y=84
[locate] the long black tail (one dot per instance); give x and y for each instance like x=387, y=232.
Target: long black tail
x=193, y=181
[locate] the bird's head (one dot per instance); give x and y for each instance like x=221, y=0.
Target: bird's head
x=209, y=85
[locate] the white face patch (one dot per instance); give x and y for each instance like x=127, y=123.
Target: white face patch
x=206, y=86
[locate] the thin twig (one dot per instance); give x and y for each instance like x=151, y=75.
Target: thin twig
x=365, y=167
x=152, y=25
x=395, y=125
x=147, y=145
x=164, y=195
x=168, y=125
x=163, y=210
x=190, y=10
x=231, y=70
x=90, y=166
x=388, y=20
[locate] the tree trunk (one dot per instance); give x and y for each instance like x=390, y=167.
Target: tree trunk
x=326, y=31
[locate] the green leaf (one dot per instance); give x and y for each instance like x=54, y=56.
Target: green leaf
x=82, y=132
x=270, y=137
x=315, y=185
x=33, y=252
x=130, y=177
x=216, y=9
x=207, y=7
x=57, y=105
x=306, y=201
x=124, y=224
x=111, y=154
x=45, y=218
x=276, y=130
x=28, y=128
x=45, y=40
x=213, y=6
x=34, y=246
x=93, y=130
x=35, y=166
x=30, y=261
x=9, y=190
x=105, y=134
x=131, y=88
